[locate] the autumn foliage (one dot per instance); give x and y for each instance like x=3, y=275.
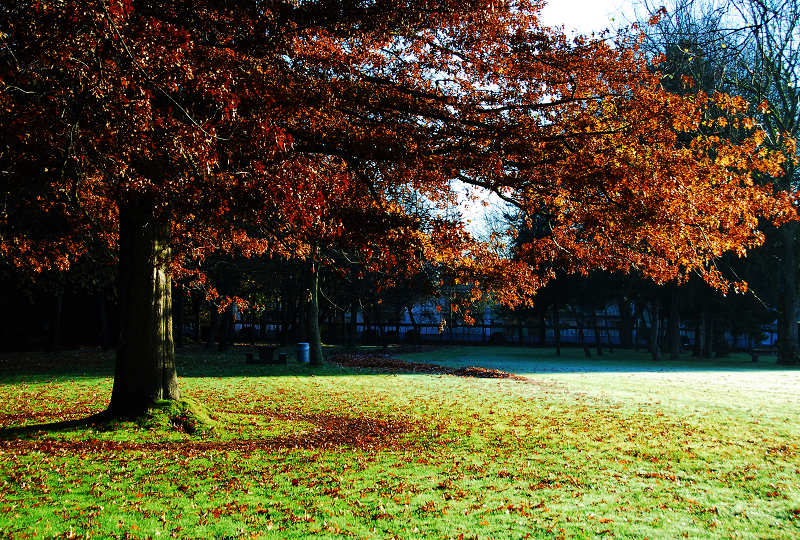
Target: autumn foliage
x=246, y=125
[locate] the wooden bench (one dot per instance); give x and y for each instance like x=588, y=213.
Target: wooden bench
x=265, y=354
x=756, y=351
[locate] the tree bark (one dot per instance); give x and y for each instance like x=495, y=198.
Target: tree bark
x=788, y=348
x=314, y=336
x=145, y=367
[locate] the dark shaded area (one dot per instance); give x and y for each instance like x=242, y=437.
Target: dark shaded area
x=329, y=431
x=19, y=433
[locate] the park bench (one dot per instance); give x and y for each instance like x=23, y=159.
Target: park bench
x=265, y=354
x=756, y=351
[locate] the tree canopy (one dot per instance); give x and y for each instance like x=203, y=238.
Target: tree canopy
x=166, y=131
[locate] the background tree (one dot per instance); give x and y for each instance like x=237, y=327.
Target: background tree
x=749, y=48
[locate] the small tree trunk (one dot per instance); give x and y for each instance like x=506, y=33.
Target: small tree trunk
x=226, y=318
x=542, y=329
x=213, y=329
x=284, y=331
x=557, y=328
x=655, y=320
x=699, y=336
x=145, y=367
x=581, y=338
x=708, y=331
x=608, y=335
x=226, y=339
x=314, y=336
x=417, y=332
x=596, y=328
x=788, y=346
x=353, y=330
x=196, y=302
x=625, y=325
x=674, y=326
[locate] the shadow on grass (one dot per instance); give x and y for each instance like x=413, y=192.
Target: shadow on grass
x=328, y=431
x=21, y=432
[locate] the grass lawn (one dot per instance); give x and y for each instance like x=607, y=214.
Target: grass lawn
x=615, y=446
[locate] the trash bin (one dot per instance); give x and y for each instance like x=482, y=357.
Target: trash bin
x=302, y=353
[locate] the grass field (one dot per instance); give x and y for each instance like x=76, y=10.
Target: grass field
x=614, y=447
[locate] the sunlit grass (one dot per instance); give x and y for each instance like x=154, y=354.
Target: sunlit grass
x=617, y=446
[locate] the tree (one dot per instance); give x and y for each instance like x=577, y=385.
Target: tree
x=749, y=48
x=174, y=130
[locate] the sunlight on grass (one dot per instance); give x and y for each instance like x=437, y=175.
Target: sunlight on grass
x=616, y=446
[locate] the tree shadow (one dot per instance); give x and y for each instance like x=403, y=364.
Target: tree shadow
x=20, y=432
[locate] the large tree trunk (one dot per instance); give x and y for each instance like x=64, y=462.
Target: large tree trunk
x=314, y=336
x=788, y=348
x=145, y=370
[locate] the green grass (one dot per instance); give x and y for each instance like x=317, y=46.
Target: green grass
x=615, y=446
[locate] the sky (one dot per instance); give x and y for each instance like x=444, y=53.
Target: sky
x=587, y=16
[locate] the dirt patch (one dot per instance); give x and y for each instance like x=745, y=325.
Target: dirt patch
x=392, y=364
x=329, y=431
